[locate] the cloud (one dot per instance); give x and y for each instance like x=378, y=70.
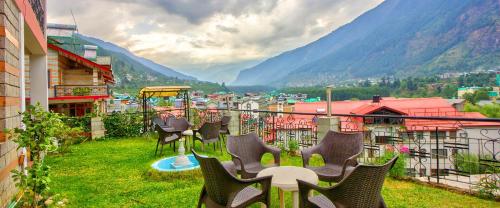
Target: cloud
x=196, y=35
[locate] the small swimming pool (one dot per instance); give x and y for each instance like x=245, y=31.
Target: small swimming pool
x=166, y=164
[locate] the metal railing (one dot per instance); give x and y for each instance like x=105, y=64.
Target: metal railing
x=456, y=151
x=38, y=7
x=81, y=90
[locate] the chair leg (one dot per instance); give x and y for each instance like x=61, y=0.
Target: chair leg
x=221, y=147
x=174, y=146
x=214, y=147
x=202, y=197
x=161, y=150
x=157, y=143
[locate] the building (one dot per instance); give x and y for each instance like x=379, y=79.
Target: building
x=23, y=44
x=468, y=137
x=80, y=80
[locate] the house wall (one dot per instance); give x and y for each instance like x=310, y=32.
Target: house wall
x=9, y=94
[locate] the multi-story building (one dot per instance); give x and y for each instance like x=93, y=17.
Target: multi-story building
x=23, y=44
x=79, y=81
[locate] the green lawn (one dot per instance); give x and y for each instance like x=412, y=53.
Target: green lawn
x=117, y=173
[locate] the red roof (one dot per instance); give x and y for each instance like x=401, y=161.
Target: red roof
x=105, y=69
x=404, y=106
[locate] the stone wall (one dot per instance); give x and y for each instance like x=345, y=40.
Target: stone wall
x=9, y=95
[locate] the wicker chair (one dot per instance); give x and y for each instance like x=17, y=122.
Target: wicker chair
x=339, y=152
x=207, y=133
x=223, y=189
x=159, y=121
x=165, y=136
x=361, y=188
x=247, y=151
x=224, y=128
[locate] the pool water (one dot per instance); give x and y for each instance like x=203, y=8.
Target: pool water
x=166, y=164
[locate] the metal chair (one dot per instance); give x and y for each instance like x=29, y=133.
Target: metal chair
x=361, y=188
x=339, y=152
x=247, y=151
x=222, y=189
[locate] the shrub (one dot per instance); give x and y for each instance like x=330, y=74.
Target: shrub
x=81, y=91
x=120, y=124
x=293, y=147
x=489, y=185
x=399, y=169
x=38, y=137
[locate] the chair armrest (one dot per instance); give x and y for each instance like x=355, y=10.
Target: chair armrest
x=351, y=161
x=229, y=166
x=276, y=154
x=305, y=188
x=307, y=153
x=234, y=157
x=265, y=183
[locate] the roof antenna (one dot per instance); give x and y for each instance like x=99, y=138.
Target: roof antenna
x=76, y=28
x=74, y=20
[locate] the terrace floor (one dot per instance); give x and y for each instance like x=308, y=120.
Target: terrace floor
x=117, y=173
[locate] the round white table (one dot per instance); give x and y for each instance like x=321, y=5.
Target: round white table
x=285, y=178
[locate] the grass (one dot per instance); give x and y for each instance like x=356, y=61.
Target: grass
x=117, y=173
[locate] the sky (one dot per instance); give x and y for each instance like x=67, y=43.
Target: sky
x=210, y=39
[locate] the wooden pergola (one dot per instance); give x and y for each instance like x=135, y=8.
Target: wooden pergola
x=163, y=91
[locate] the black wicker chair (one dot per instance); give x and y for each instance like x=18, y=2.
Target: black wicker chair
x=361, y=188
x=223, y=189
x=208, y=133
x=247, y=151
x=165, y=136
x=224, y=128
x=339, y=152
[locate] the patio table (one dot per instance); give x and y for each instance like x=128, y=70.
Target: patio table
x=285, y=178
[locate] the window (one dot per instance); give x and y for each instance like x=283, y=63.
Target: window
x=420, y=135
x=382, y=139
x=440, y=135
x=439, y=153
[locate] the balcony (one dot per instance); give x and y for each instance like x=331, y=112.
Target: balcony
x=81, y=90
x=38, y=7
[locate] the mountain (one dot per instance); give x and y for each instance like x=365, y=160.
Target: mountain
x=132, y=72
x=146, y=62
x=398, y=37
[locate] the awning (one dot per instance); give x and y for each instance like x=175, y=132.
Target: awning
x=106, y=70
x=163, y=91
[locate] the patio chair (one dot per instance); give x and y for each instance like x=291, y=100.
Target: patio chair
x=224, y=129
x=222, y=189
x=207, y=133
x=159, y=121
x=361, y=188
x=165, y=136
x=339, y=152
x=247, y=151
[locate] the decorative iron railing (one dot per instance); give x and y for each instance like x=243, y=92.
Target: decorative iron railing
x=38, y=7
x=81, y=90
x=456, y=151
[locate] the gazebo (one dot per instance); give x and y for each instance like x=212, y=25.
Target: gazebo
x=163, y=91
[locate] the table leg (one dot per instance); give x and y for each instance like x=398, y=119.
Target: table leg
x=281, y=194
x=295, y=195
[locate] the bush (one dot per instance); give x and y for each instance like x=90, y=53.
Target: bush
x=38, y=137
x=399, y=169
x=120, y=124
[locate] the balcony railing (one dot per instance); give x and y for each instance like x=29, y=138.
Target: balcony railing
x=455, y=151
x=81, y=90
x=39, y=9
